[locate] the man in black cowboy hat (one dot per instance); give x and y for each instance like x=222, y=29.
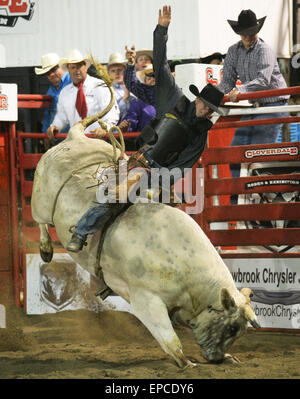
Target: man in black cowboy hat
x=177, y=137
x=254, y=63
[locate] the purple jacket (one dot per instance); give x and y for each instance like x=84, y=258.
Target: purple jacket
x=139, y=114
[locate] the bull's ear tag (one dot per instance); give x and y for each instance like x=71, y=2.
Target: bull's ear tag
x=227, y=300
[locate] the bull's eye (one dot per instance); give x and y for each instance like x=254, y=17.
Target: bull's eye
x=233, y=330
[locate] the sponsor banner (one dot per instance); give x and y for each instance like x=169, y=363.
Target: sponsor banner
x=262, y=152
x=18, y=16
x=276, y=287
x=62, y=285
x=268, y=182
x=8, y=102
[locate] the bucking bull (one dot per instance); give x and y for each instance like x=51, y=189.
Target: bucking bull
x=154, y=256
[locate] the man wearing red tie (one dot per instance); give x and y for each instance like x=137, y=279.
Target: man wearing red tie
x=83, y=97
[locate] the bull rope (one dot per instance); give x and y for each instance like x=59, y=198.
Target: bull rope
x=116, y=144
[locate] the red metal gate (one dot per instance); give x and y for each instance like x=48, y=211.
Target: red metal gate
x=214, y=213
x=6, y=220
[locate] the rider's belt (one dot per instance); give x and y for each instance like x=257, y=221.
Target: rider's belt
x=138, y=159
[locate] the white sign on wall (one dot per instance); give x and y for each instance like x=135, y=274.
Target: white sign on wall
x=8, y=102
x=200, y=75
x=62, y=285
x=18, y=16
x=197, y=74
x=276, y=287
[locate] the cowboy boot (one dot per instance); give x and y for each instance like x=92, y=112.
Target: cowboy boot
x=75, y=244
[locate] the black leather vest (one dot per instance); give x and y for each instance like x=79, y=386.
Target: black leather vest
x=168, y=135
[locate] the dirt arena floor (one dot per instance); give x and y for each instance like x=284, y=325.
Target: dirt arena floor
x=114, y=345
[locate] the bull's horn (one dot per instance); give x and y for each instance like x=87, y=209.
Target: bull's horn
x=248, y=293
x=250, y=316
x=254, y=323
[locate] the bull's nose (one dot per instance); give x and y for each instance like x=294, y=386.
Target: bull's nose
x=216, y=361
x=213, y=358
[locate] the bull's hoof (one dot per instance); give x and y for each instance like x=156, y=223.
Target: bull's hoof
x=46, y=256
x=189, y=365
x=231, y=359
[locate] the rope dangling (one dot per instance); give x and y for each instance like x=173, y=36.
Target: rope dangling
x=115, y=143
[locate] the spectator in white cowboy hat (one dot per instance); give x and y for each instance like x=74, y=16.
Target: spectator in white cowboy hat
x=58, y=79
x=255, y=64
x=83, y=97
x=115, y=68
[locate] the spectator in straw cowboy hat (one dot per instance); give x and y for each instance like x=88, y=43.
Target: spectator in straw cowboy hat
x=115, y=67
x=135, y=79
x=83, y=97
x=253, y=62
x=143, y=58
x=58, y=79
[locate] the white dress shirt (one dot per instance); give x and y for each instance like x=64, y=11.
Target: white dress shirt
x=97, y=96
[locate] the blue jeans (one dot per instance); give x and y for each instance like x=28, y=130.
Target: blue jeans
x=258, y=134
x=92, y=220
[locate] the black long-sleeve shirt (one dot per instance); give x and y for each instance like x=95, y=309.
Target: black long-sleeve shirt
x=168, y=95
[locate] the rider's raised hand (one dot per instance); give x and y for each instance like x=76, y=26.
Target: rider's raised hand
x=164, y=16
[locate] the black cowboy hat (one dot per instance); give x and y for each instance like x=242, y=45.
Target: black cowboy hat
x=214, y=56
x=247, y=23
x=210, y=95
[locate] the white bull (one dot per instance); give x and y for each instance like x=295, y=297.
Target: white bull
x=155, y=256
